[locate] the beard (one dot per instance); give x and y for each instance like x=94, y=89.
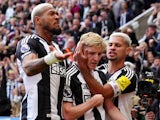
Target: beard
x=112, y=59
x=56, y=31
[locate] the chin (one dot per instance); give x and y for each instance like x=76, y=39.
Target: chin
x=92, y=68
x=56, y=31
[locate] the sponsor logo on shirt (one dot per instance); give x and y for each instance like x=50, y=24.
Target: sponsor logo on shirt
x=58, y=69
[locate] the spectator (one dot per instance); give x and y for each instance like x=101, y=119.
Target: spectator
x=5, y=106
x=16, y=102
x=154, y=67
x=126, y=14
x=116, y=6
x=140, y=57
x=3, y=6
x=150, y=116
x=86, y=27
x=11, y=84
x=69, y=47
x=75, y=29
x=67, y=21
x=67, y=36
x=151, y=32
x=132, y=35
x=150, y=59
x=18, y=10
x=85, y=6
x=153, y=18
x=75, y=7
x=10, y=10
x=107, y=6
x=95, y=24
x=94, y=9
x=137, y=6
x=107, y=26
x=2, y=19
x=152, y=44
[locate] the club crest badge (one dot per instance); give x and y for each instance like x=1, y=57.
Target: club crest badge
x=25, y=48
x=67, y=91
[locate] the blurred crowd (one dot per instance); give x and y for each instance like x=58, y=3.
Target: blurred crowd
x=76, y=18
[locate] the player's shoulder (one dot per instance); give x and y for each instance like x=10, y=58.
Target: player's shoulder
x=102, y=66
x=72, y=69
x=30, y=39
x=128, y=69
x=129, y=72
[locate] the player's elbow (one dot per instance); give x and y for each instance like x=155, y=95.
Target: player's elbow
x=28, y=71
x=108, y=91
x=68, y=115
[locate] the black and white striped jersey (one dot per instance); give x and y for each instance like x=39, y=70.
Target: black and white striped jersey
x=44, y=91
x=77, y=91
x=124, y=83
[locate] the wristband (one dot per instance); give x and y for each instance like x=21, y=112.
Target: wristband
x=50, y=58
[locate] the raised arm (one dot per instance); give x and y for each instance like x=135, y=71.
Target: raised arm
x=33, y=65
x=112, y=111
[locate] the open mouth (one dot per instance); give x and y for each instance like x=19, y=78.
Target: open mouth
x=112, y=53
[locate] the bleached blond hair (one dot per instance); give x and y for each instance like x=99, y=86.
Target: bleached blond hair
x=39, y=9
x=126, y=38
x=93, y=39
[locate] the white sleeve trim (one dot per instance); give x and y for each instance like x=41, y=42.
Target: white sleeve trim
x=116, y=88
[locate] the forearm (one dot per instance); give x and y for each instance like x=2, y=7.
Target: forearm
x=35, y=66
x=150, y=20
x=14, y=67
x=112, y=111
x=73, y=112
x=95, y=87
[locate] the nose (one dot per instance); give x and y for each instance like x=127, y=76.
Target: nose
x=97, y=57
x=57, y=16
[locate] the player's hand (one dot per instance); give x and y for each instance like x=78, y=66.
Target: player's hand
x=99, y=99
x=63, y=56
x=150, y=116
x=59, y=55
x=55, y=56
x=80, y=57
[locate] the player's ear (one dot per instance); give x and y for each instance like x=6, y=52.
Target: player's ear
x=128, y=50
x=37, y=20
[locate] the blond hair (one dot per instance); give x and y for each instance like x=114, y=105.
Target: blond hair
x=126, y=38
x=93, y=39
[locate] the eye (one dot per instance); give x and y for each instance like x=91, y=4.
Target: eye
x=109, y=44
x=118, y=45
x=53, y=13
x=99, y=54
x=91, y=53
